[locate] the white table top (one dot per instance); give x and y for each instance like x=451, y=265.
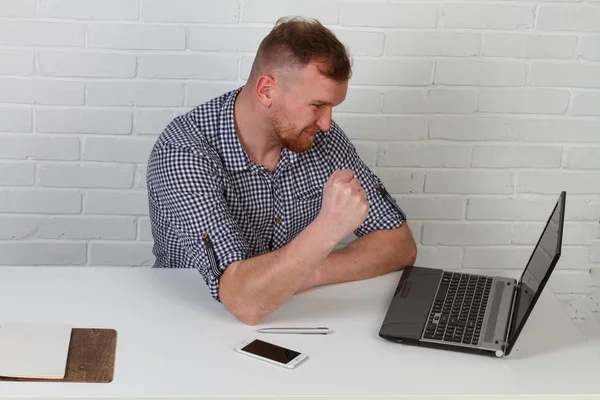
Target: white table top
x=175, y=340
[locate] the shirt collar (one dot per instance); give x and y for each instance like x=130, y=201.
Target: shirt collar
x=234, y=156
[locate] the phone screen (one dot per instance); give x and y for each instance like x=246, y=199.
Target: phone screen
x=270, y=351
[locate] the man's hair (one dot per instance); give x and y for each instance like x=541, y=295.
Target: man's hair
x=295, y=41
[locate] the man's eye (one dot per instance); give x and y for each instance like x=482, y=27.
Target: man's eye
x=318, y=105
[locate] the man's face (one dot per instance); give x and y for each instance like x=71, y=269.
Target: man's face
x=304, y=106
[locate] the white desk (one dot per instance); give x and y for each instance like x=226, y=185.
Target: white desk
x=174, y=340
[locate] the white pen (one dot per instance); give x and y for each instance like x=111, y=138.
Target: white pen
x=302, y=331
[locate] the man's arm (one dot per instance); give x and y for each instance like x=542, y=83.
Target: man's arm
x=251, y=289
x=374, y=254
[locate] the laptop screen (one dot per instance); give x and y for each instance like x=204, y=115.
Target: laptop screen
x=540, y=265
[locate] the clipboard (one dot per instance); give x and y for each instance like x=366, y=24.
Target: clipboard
x=91, y=357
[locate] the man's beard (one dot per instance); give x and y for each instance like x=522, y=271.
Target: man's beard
x=290, y=137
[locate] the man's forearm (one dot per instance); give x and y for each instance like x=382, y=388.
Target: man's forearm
x=372, y=255
x=253, y=288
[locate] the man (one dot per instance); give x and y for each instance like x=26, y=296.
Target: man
x=255, y=188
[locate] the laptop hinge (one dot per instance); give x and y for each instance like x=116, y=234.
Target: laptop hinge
x=513, y=309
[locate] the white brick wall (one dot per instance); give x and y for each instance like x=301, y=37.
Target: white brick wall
x=475, y=115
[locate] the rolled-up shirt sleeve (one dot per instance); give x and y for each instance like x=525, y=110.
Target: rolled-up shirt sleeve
x=189, y=189
x=382, y=214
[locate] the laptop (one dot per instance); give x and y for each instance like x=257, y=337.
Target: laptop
x=472, y=313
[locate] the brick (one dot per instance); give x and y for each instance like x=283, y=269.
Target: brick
x=480, y=73
x=560, y=130
x=361, y=43
x=483, y=16
x=473, y=128
x=188, y=67
x=596, y=251
x=575, y=233
x=17, y=174
x=433, y=44
x=83, y=121
x=432, y=208
x=361, y=100
x=553, y=182
x=461, y=233
x=590, y=48
x=40, y=201
x=510, y=208
x=118, y=149
x=415, y=228
x=144, y=230
x=523, y=101
x=116, y=202
x=66, y=228
x=246, y=66
x=586, y=104
x=100, y=65
x=86, y=175
x=583, y=157
x=571, y=75
x=89, y=9
x=390, y=127
x=469, y=182
x=586, y=207
x=425, y=155
x=40, y=91
x=392, y=72
x=506, y=257
x=201, y=92
x=135, y=94
x=15, y=119
x=583, y=19
x=504, y=156
x=417, y=15
x=151, y=122
x=42, y=253
x=225, y=38
x=570, y=282
x=529, y=45
x=439, y=257
x=396, y=180
x=430, y=101
x=38, y=147
x=30, y=33
x=270, y=11
x=140, y=176
x=367, y=151
x=137, y=37
x=17, y=8
x=199, y=11
x=574, y=257
x=121, y=254
x=16, y=62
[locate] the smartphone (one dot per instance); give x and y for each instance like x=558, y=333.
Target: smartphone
x=271, y=353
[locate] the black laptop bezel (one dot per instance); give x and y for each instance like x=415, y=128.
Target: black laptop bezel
x=512, y=338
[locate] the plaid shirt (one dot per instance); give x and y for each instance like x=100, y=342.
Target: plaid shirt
x=201, y=184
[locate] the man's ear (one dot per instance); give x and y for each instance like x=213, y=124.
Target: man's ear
x=264, y=89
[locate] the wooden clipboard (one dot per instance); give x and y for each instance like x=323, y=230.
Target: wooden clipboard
x=91, y=357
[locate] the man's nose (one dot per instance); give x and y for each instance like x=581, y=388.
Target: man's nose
x=324, y=121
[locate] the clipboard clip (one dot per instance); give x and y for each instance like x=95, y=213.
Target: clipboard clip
x=386, y=195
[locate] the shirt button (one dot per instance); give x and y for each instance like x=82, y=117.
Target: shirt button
x=277, y=220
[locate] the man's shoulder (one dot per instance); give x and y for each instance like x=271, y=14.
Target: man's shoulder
x=334, y=141
x=193, y=130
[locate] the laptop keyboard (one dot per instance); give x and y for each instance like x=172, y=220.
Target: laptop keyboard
x=459, y=307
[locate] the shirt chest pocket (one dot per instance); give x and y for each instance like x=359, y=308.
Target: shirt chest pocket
x=308, y=196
